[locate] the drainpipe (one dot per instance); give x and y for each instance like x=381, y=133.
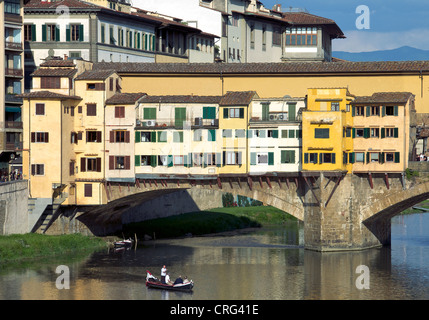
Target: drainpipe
x=29, y=147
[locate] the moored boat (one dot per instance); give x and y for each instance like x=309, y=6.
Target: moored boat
x=153, y=282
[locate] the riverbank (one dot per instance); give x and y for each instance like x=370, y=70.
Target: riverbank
x=207, y=222
x=33, y=246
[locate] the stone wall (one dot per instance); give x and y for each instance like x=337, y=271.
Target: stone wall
x=13, y=207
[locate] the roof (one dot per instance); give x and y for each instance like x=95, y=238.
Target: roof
x=181, y=99
x=54, y=4
x=51, y=72
x=384, y=97
x=238, y=98
x=95, y=74
x=58, y=63
x=48, y=95
x=125, y=98
x=266, y=68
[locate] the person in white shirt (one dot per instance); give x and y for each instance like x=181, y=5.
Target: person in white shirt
x=163, y=273
x=167, y=279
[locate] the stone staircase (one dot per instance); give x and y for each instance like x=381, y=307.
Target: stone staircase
x=44, y=212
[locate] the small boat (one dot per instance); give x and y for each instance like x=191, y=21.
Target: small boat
x=153, y=282
x=123, y=243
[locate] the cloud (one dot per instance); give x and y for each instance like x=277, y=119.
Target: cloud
x=367, y=40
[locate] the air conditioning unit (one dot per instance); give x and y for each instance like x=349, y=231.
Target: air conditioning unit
x=282, y=116
x=199, y=121
x=150, y=123
x=272, y=117
x=138, y=123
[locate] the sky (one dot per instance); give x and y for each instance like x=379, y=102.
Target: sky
x=383, y=25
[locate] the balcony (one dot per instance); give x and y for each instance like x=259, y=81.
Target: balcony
x=10, y=72
x=13, y=124
x=13, y=98
x=176, y=123
x=16, y=46
x=13, y=146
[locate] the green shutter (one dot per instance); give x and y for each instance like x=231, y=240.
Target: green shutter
x=185, y=161
x=153, y=136
x=352, y=157
x=44, y=32
x=305, y=157
x=397, y=159
x=284, y=133
x=275, y=133
x=218, y=159
x=33, y=32
x=381, y=157
x=291, y=134
x=270, y=158
x=333, y=158
x=137, y=137
x=249, y=133
x=153, y=43
x=209, y=112
x=368, y=111
x=367, y=157
x=298, y=133
x=395, y=132
x=170, y=160
x=353, y=111
x=366, y=133
x=137, y=161
x=241, y=112
x=225, y=113
x=153, y=161
x=395, y=110
x=68, y=32
x=180, y=116
x=383, y=133
x=353, y=133
x=253, y=158
x=81, y=32
x=149, y=113
x=57, y=33
x=291, y=111
x=383, y=111
x=211, y=135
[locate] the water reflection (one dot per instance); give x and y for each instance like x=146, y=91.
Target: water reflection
x=268, y=264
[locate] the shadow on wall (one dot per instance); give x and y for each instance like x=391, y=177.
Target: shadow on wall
x=108, y=219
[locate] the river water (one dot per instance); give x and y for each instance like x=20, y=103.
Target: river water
x=263, y=264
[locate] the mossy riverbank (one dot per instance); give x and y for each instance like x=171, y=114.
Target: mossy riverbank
x=206, y=222
x=34, y=246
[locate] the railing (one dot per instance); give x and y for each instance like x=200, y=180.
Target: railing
x=13, y=124
x=13, y=72
x=13, y=146
x=172, y=123
x=13, y=45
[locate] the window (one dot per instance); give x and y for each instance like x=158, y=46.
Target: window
x=197, y=159
x=321, y=133
x=119, y=111
x=103, y=33
x=390, y=156
x=347, y=132
x=227, y=133
x=390, y=132
x=162, y=160
x=111, y=35
x=95, y=86
x=72, y=164
x=260, y=133
x=40, y=109
x=359, y=156
x=91, y=109
x=178, y=160
x=273, y=133
x=210, y=159
x=119, y=162
x=360, y=132
x=277, y=36
x=87, y=190
x=50, y=32
x=327, y=158
x=162, y=136
x=12, y=6
x=198, y=136
x=29, y=32
x=145, y=136
x=287, y=156
x=374, y=110
x=75, y=32
x=90, y=164
x=310, y=157
x=335, y=106
x=359, y=111
x=374, y=132
x=374, y=156
x=149, y=113
x=118, y=136
x=301, y=36
x=40, y=137
x=148, y=160
x=93, y=136
x=50, y=82
x=37, y=169
x=240, y=133
x=232, y=158
x=264, y=38
x=262, y=158
x=177, y=136
x=391, y=110
x=252, y=36
x=235, y=113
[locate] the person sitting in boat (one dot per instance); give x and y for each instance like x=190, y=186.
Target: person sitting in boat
x=185, y=280
x=167, y=278
x=179, y=280
x=163, y=273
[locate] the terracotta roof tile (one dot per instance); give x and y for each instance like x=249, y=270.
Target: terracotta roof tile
x=55, y=4
x=125, y=98
x=58, y=63
x=384, y=97
x=57, y=72
x=47, y=95
x=181, y=99
x=95, y=74
x=238, y=98
x=266, y=68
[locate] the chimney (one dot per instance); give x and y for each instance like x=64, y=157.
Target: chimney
x=65, y=57
x=277, y=7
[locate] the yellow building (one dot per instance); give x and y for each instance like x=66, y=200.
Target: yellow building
x=234, y=111
x=327, y=130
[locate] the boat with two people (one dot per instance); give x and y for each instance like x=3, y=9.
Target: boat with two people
x=154, y=282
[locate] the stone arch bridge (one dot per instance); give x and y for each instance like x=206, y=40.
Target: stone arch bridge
x=340, y=211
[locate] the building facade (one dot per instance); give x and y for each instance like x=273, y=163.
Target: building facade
x=249, y=32
x=11, y=81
